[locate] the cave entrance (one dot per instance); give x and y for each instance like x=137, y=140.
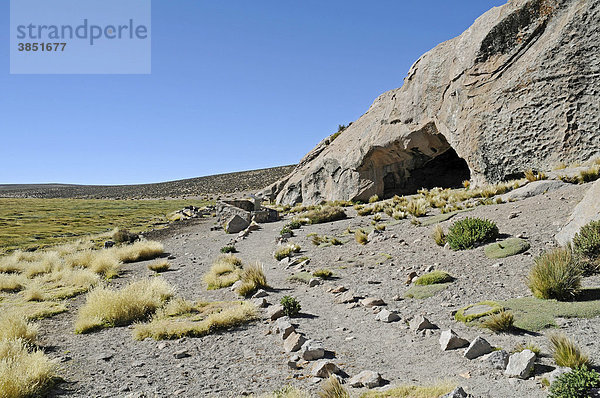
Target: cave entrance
x=446, y=170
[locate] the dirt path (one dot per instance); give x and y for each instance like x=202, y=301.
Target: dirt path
x=246, y=360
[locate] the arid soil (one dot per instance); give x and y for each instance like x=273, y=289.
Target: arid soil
x=193, y=187
x=249, y=360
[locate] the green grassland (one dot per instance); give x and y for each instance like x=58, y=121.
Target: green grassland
x=34, y=223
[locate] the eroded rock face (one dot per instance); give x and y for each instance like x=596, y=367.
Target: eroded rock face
x=517, y=90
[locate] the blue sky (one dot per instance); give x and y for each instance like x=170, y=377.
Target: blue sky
x=235, y=85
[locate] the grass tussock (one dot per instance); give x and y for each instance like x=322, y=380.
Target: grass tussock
x=439, y=236
x=139, y=251
x=223, y=273
x=556, y=275
x=322, y=214
x=287, y=392
x=529, y=346
x=566, y=352
x=586, y=243
x=286, y=251
x=332, y=388
x=501, y=322
x=13, y=325
x=531, y=175
x=253, y=278
x=469, y=232
x=323, y=273
x=159, y=266
x=195, y=320
x=107, y=308
x=11, y=283
x=24, y=372
x=412, y=391
x=361, y=237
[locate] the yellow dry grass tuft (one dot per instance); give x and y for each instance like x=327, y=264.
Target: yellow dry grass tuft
x=23, y=373
x=412, y=391
x=11, y=283
x=223, y=273
x=184, y=319
x=107, y=308
x=13, y=325
x=138, y=251
x=253, y=278
x=159, y=266
x=566, y=352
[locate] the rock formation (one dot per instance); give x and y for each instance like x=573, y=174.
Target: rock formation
x=519, y=89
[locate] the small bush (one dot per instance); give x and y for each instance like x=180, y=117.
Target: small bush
x=466, y=233
x=323, y=273
x=332, y=388
x=434, y=277
x=253, y=278
x=361, y=237
x=575, y=384
x=286, y=230
x=566, y=352
x=228, y=249
x=555, y=275
x=291, y=306
x=107, y=308
x=587, y=244
x=500, y=322
x=439, y=236
x=294, y=225
x=159, y=266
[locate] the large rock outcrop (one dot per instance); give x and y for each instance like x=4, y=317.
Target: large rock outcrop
x=519, y=89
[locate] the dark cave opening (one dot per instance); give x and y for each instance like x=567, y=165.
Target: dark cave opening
x=447, y=170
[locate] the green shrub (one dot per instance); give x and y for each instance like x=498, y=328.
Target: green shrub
x=500, y=322
x=228, y=249
x=434, y=277
x=587, y=244
x=291, y=306
x=575, y=384
x=286, y=230
x=566, y=352
x=294, y=225
x=555, y=275
x=466, y=233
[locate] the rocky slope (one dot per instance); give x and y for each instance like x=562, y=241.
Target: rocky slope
x=517, y=90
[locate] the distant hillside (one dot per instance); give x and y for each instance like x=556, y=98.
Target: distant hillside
x=253, y=180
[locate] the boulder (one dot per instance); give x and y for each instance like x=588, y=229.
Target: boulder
x=366, y=378
x=421, y=323
x=283, y=326
x=517, y=90
x=477, y=348
x=497, y=359
x=293, y=342
x=275, y=312
x=449, y=340
x=346, y=297
x=371, y=302
x=586, y=211
x=312, y=350
x=533, y=189
x=235, y=224
x=520, y=364
x=323, y=368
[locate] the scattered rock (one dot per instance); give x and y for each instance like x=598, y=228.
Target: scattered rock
x=458, y=392
x=323, y=368
x=556, y=373
x=520, y=364
x=371, y=302
x=410, y=277
x=180, y=354
x=260, y=293
x=366, y=378
x=104, y=356
x=497, y=359
x=477, y=348
x=387, y=316
x=338, y=289
x=586, y=211
x=260, y=302
x=312, y=350
x=293, y=342
x=449, y=340
x=275, y=312
x=235, y=224
x=345, y=298
x=421, y=323
x=283, y=326
x=314, y=282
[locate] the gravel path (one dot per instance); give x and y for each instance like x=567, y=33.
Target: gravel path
x=248, y=360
